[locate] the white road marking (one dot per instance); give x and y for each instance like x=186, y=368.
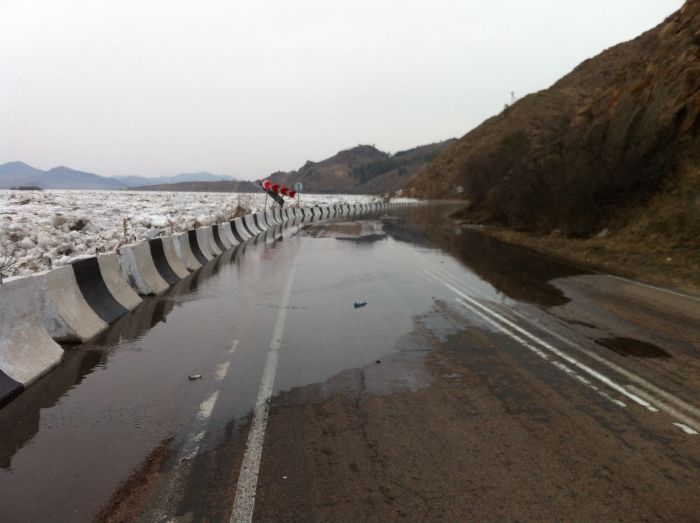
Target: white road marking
x=569, y=359
x=650, y=286
x=207, y=406
x=685, y=420
x=234, y=346
x=244, y=503
x=543, y=355
x=221, y=371
x=187, y=454
x=686, y=429
x=622, y=371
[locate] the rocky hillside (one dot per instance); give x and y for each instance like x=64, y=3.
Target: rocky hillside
x=616, y=139
x=361, y=170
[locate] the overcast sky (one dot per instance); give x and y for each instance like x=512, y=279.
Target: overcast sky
x=160, y=87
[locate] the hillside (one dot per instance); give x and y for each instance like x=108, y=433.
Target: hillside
x=361, y=170
x=612, y=144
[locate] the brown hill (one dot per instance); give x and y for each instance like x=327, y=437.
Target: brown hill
x=615, y=141
x=361, y=170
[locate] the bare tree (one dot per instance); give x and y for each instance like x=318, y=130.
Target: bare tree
x=8, y=258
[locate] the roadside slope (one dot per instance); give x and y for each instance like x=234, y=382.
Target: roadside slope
x=613, y=143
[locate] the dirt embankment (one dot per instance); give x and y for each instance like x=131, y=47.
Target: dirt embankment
x=610, y=146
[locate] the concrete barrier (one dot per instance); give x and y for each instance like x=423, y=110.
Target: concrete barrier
x=205, y=240
x=271, y=219
x=259, y=221
x=226, y=235
x=218, y=240
x=27, y=352
x=181, y=241
x=65, y=313
x=212, y=245
x=116, y=281
x=171, y=257
x=161, y=263
x=94, y=289
x=193, y=244
x=138, y=266
x=249, y=225
x=238, y=230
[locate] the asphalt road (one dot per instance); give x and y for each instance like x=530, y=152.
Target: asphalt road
x=479, y=382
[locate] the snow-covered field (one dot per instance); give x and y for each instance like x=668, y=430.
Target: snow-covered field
x=51, y=228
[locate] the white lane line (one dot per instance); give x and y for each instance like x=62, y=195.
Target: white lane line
x=686, y=428
x=572, y=361
x=234, y=346
x=615, y=367
x=221, y=371
x=207, y=407
x=650, y=286
x=187, y=454
x=685, y=420
x=620, y=370
x=244, y=503
x=543, y=355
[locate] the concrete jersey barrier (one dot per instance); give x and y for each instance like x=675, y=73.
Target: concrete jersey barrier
x=259, y=221
x=228, y=232
x=238, y=230
x=27, y=351
x=66, y=314
x=139, y=267
x=205, y=239
x=184, y=251
x=249, y=224
x=171, y=257
x=95, y=291
x=218, y=240
x=195, y=247
x=116, y=282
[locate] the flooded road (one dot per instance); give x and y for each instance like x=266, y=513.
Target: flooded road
x=479, y=381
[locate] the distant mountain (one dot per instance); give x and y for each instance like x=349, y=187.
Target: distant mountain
x=14, y=174
x=363, y=170
x=218, y=186
x=67, y=178
x=142, y=181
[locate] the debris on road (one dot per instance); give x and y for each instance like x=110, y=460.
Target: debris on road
x=359, y=304
x=193, y=377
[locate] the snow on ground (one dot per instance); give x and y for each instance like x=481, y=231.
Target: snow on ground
x=50, y=228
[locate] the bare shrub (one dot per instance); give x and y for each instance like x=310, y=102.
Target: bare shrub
x=8, y=258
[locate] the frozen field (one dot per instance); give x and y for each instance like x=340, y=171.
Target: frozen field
x=50, y=228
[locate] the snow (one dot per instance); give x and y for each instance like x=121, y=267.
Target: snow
x=46, y=229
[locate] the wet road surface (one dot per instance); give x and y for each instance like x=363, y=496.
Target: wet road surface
x=479, y=382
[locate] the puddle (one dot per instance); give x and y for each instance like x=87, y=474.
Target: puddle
x=635, y=348
x=519, y=274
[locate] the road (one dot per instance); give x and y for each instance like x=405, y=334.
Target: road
x=479, y=382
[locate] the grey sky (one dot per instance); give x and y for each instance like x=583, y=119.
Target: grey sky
x=247, y=88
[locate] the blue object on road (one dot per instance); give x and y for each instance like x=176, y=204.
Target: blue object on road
x=359, y=304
